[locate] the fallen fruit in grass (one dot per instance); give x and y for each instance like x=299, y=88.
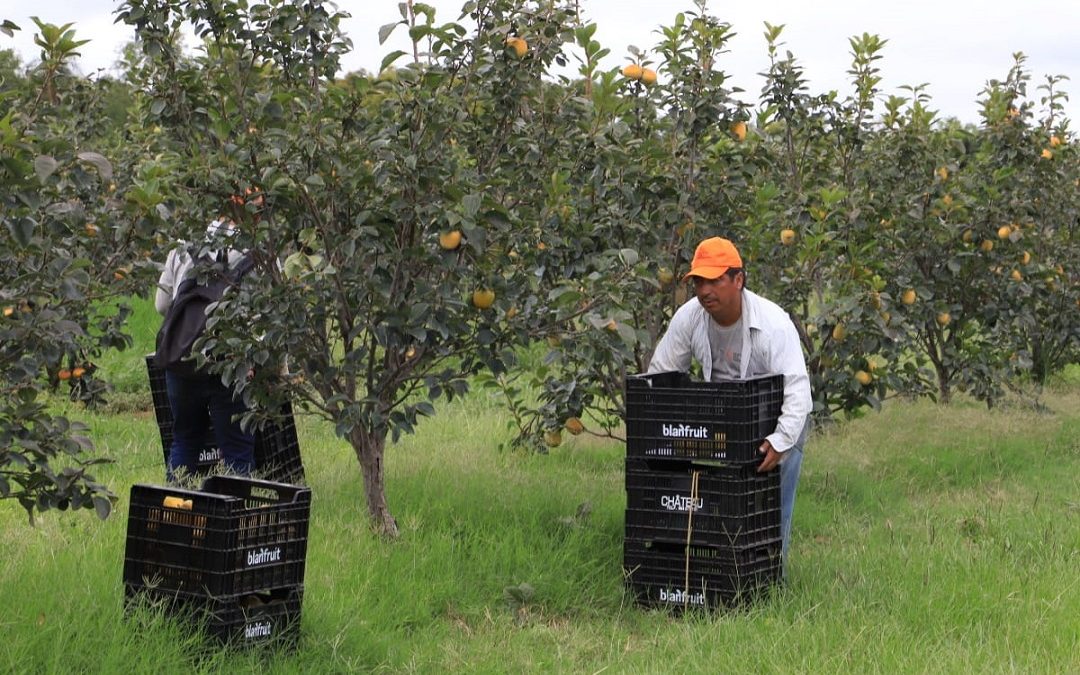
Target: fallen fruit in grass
x=78, y=372
x=64, y=374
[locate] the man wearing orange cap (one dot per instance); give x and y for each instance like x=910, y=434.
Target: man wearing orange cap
x=736, y=334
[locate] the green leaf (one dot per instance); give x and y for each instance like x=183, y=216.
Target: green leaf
x=385, y=30
x=100, y=163
x=390, y=58
x=22, y=230
x=314, y=180
x=44, y=166
x=103, y=507
x=471, y=204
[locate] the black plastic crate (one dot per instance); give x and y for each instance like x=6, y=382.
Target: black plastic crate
x=732, y=506
x=277, y=448
x=236, y=535
x=270, y=618
x=710, y=594
x=670, y=556
x=669, y=573
x=669, y=415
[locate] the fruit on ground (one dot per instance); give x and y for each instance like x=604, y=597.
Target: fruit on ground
x=483, y=298
x=78, y=372
x=450, y=240
x=64, y=374
x=574, y=426
x=787, y=237
x=909, y=297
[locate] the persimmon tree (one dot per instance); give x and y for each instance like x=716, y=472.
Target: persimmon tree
x=71, y=251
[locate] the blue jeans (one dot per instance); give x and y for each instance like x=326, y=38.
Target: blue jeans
x=790, y=466
x=195, y=403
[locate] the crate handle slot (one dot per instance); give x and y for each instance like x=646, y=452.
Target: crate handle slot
x=177, y=503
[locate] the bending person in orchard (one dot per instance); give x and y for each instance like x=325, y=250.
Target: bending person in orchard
x=737, y=335
x=196, y=397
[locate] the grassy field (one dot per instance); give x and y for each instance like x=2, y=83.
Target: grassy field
x=926, y=539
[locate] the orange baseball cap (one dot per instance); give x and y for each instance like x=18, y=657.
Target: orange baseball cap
x=713, y=258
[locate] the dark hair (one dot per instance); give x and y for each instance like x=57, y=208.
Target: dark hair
x=733, y=272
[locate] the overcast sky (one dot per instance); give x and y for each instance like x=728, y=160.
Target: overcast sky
x=955, y=47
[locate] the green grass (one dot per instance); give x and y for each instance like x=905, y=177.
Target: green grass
x=926, y=539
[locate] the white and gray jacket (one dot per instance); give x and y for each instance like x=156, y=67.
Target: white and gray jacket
x=774, y=350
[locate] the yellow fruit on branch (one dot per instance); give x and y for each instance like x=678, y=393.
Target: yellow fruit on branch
x=611, y=325
x=909, y=297
x=1055, y=141
x=944, y=319
x=1025, y=259
x=987, y=245
x=839, y=332
x=553, y=438
x=665, y=276
x=648, y=77
x=450, y=240
x=1004, y=231
x=1016, y=276
x=483, y=298
x=9, y=310
x=875, y=299
x=1047, y=153
x=632, y=71
x=738, y=130
x=943, y=173
x=511, y=313
x=863, y=378
x=967, y=236
x=787, y=237
x=518, y=45
x=574, y=426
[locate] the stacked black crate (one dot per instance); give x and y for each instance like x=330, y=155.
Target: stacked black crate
x=702, y=525
x=277, y=448
x=230, y=556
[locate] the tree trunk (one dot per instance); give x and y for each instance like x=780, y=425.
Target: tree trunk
x=369, y=447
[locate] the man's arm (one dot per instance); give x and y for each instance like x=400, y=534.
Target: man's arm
x=674, y=350
x=787, y=359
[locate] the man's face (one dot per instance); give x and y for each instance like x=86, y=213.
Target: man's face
x=721, y=297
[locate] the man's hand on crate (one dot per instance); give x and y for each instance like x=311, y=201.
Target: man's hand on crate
x=772, y=457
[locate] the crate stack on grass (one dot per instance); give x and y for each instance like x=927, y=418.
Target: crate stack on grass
x=277, y=448
x=702, y=525
x=230, y=556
